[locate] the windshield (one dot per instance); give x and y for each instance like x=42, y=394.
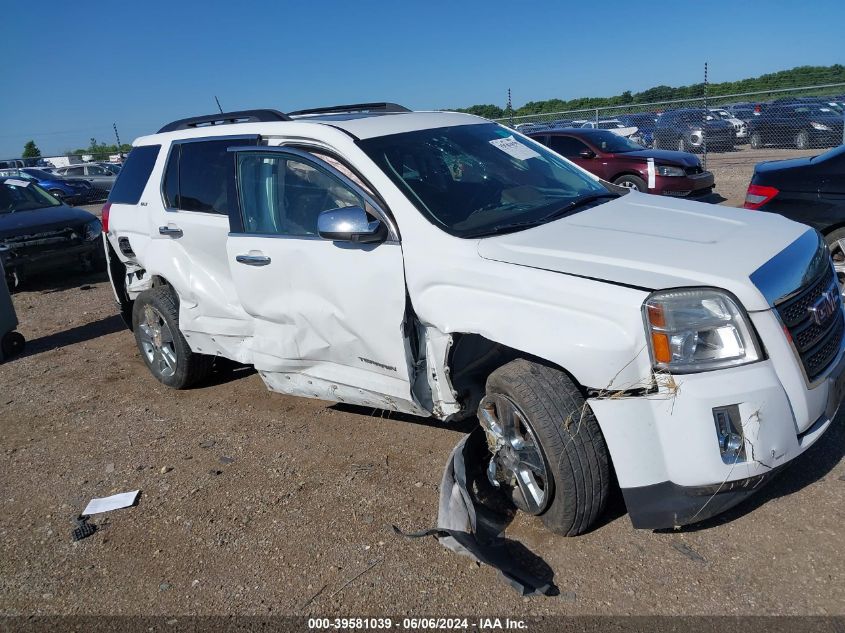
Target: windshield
x=23, y=195
x=475, y=179
x=613, y=143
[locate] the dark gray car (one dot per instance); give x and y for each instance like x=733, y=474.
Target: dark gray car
x=101, y=178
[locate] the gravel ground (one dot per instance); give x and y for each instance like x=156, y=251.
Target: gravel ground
x=257, y=503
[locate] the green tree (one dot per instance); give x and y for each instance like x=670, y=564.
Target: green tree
x=30, y=150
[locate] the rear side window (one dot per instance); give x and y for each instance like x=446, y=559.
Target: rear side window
x=133, y=177
x=197, y=175
x=567, y=146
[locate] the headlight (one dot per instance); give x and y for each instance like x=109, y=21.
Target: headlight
x=93, y=230
x=666, y=170
x=819, y=126
x=698, y=329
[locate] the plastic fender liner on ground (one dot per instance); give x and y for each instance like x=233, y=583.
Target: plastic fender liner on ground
x=474, y=527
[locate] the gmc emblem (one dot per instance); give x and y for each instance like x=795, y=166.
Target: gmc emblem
x=824, y=307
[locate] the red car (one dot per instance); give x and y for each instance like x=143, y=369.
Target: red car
x=619, y=160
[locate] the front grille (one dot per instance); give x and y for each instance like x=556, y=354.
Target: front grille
x=60, y=237
x=817, y=343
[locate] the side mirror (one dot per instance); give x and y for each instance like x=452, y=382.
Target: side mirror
x=350, y=224
x=587, y=153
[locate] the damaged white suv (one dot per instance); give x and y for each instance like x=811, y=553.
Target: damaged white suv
x=442, y=265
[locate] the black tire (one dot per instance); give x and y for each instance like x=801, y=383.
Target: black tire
x=191, y=368
x=802, y=140
x=12, y=344
x=58, y=194
x=570, y=439
x=682, y=144
x=631, y=182
x=756, y=140
x=835, y=241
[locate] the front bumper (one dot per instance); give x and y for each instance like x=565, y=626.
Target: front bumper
x=684, y=186
x=665, y=450
x=52, y=258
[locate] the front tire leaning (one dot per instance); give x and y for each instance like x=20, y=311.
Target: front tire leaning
x=571, y=471
x=155, y=321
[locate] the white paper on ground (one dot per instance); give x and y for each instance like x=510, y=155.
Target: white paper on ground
x=511, y=146
x=115, y=502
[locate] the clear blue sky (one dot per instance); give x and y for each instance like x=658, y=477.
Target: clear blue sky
x=71, y=68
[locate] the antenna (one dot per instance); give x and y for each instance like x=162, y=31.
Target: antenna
x=218, y=104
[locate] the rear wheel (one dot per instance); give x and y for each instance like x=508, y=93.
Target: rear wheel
x=802, y=140
x=835, y=241
x=682, y=144
x=631, y=182
x=12, y=344
x=155, y=321
x=58, y=194
x=756, y=140
x=549, y=454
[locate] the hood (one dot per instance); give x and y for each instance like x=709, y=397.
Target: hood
x=46, y=219
x=653, y=243
x=663, y=156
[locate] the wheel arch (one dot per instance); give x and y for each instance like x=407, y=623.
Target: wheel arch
x=473, y=357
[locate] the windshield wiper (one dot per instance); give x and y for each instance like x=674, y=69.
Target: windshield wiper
x=555, y=215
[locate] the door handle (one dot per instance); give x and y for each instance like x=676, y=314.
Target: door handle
x=253, y=260
x=172, y=231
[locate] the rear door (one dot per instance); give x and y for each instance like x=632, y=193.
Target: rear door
x=328, y=315
x=191, y=226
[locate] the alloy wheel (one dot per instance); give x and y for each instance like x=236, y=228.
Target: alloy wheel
x=628, y=184
x=157, y=342
x=518, y=460
x=837, y=253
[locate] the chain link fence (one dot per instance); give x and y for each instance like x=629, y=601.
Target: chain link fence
x=789, y=122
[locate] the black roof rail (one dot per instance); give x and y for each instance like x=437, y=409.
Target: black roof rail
x=385, y=107
x=224, y=118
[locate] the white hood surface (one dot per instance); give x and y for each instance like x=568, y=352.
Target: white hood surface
x=654, y=243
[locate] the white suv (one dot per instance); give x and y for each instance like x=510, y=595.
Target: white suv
x=443, y=265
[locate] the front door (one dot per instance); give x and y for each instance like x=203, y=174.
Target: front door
x=328, y=315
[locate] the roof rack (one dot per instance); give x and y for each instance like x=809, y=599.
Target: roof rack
x=383, y=107
x=224, y=118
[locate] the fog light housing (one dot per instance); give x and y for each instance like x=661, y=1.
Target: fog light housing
x=729, y=433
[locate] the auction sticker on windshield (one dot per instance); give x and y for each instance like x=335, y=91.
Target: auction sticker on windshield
x=513, y=147
x=17, y=183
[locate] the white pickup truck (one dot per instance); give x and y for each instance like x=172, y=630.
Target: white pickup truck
x=442, y=265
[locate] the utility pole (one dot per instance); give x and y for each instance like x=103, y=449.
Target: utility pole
x=117, y=136
x=218, y=104
x=510, y=108
x=704, y=122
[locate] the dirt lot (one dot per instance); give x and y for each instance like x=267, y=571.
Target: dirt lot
x=256, y=503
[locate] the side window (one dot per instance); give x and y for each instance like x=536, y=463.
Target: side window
x=197, y=174
x=96, y=170
x=133, y=177
x=75, y=171
x=170, y=187
x=202, y=176
x=283, y=195
x=567, y=145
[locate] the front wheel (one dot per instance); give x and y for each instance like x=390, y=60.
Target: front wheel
x=155, y=321
x=835, y=241
x=57, y=194
x=802, y=140
x=631, y=182
x=548, y=452
x=682, y=144
x=756, y=141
